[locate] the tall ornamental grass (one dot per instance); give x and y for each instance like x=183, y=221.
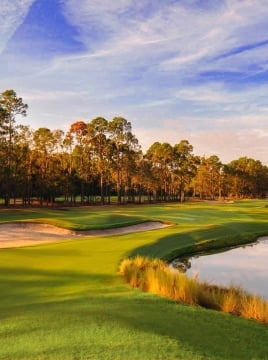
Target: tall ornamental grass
x=155, y=276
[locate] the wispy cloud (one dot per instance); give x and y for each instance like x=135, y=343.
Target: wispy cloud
x=12, y=14
x=227, y=145
x=176, y=69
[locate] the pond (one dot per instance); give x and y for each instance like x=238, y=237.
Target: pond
x=246, y=266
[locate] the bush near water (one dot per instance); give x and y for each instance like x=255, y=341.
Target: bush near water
x=154, y=275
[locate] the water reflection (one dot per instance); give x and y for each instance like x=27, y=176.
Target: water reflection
x=246, y=266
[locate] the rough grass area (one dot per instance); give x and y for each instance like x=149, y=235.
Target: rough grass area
x=67, y=301
x=154, y=275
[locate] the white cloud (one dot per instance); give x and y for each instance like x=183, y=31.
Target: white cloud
x=37, y=95
x=175, y=38
x=209, y=93
x=146, y=67
x=12, y=15
x=227, y=145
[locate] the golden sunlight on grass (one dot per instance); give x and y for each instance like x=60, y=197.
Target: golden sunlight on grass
x=155, y=276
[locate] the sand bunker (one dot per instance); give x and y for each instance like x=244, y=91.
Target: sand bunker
x=28, y=234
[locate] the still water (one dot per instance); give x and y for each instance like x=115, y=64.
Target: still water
x=246, y=266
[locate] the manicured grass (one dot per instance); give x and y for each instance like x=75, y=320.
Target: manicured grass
x=81, y=218
x=67, y=300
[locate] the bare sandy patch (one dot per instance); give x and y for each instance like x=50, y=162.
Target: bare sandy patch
x=29, y=234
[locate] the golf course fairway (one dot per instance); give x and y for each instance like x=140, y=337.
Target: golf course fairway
x=66, y=301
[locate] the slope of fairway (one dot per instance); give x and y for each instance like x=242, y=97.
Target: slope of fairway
x=66, y=300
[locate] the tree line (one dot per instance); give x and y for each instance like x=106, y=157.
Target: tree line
x=99, y=160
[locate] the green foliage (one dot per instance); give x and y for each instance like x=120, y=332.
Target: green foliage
x=10, y=107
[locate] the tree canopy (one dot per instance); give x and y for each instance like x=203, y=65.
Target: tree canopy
x=101, y=159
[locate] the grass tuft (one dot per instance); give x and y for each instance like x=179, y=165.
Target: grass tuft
x=155, y=276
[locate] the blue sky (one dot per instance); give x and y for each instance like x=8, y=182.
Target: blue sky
x=177, y=69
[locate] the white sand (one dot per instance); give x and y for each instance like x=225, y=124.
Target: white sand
x=28, y=234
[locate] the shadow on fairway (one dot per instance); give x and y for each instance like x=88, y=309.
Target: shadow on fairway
x=131, y=320
x=22, y=286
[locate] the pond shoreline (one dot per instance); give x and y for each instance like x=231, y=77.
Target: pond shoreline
x=209, y=249
x=243, y=265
